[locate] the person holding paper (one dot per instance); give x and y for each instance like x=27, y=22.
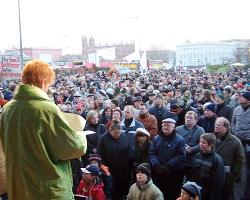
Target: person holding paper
x=37, y=140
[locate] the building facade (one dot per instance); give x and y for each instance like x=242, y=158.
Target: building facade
x=46, y=54
x=121, y=49
x=209, y=53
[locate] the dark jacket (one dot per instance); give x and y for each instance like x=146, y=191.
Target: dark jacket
x=162, y=113
x=169, y=152
x=208, y=172
x=116, y=154
x=129, y=132
x=207, y=123
x=224, y=110
x=192, y=138
x=92, y=139
x=142, y=153
x=232, y=153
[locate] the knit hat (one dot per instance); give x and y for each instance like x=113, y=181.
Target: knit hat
x=144, y=168
x=143, y=131
x=228, y=89
x=246, y=95
x=192, y=189
x=91, y=169
x=116, y=102
x=211, y=107
x=138, y=98
x=95, y=157
x=221, y=96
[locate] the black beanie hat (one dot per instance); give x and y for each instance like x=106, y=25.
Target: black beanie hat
x=144, y=168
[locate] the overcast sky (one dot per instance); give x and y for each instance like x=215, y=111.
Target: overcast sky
x=60, y=23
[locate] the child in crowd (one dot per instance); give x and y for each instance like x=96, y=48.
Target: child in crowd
x=91, y=186
x=104, y=174
x=144, y=188
x=190, y=191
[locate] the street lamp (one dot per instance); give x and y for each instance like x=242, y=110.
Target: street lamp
x=20, y=35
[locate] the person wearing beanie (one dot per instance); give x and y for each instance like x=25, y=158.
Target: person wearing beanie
x=190, y=191
x=114, y=104
x=208, y=119
x=240, y=126
x=104, y=173
x=144, y=188
x=223, y=110
x=159, y=110
x=150, y=102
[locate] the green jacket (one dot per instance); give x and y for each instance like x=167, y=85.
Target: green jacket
x=147, y=192
x=232, y=153
x=38, y=144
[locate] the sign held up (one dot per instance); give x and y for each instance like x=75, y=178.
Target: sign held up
x=10, y=67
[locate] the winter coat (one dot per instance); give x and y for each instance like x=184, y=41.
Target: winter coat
x=224, y=111
x=2, y=171
x=240, y=125
x=150, y=123
x=207, y=123
x=233, y=104
x=208, y=172
x=232, y=153
x=94, y=192
x=92, y=139
x=115, y=154
x=160, y=114
x=129, y=132
x=38, y=144
x=147, y=192
x=192, y=139
x=149, y=104
x=142, y=153
x=168, y=151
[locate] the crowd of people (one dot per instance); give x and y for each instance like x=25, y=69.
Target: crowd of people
x=162, y=134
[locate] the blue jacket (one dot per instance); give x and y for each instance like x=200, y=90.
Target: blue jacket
x=168, y=151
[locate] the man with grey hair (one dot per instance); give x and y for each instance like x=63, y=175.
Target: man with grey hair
x=241, y=128
x=231, y=150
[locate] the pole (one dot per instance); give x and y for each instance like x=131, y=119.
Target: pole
x=20, y=36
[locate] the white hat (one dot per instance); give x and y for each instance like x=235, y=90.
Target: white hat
x=142, y=130
x=168, y=120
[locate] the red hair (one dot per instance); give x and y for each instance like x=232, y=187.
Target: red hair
x=35, y=71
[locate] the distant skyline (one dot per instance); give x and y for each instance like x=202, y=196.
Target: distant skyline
x=166, y=23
